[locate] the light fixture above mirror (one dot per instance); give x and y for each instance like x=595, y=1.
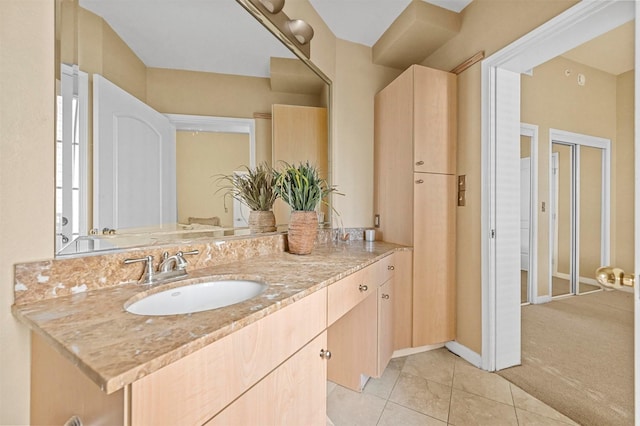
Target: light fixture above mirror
x=297, y=31
x=273, y=6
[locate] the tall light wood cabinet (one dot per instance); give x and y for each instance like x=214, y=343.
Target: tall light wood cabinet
x=415, y=191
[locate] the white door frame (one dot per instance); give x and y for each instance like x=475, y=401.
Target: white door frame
x=577, y=140
x=580, y=23
x=203, y=123
x=531, y=131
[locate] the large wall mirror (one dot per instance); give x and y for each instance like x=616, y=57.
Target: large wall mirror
x=208, y=81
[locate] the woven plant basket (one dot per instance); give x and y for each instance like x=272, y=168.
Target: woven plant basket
x=261, y=222
x=303, y=228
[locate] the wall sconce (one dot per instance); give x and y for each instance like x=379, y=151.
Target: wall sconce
x=300, y=30
x=296, y=31
x=273, y=6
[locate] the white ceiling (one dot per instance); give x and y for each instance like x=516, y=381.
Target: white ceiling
x=364, y=21
x=220, y=36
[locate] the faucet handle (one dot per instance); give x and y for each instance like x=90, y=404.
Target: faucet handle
x=181, y=262
x=148, y=274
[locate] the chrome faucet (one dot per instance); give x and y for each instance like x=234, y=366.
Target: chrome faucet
x=171, y=267
x=176, y=262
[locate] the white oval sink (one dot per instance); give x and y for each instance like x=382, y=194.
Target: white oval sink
x=197, y=297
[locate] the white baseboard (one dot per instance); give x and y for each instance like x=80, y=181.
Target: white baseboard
x=541, y=299
x=410, y=351
x=465, y=353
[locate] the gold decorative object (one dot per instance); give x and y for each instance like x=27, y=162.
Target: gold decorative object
x=614, y=278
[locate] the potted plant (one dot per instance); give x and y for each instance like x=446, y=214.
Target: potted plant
x=255, y=188
x=301, y=187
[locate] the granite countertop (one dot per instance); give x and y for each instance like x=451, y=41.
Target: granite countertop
x=114, y=347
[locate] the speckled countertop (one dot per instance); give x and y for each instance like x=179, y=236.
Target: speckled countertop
x=115, y=348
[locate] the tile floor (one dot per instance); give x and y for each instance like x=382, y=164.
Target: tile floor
x=437, y=388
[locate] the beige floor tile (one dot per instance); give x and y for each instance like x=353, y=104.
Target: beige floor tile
x=470, y=410
x=436, y=365
x=526, y=418
x=330, y=387
x=346, y=407
x=482, y=383
x=383, y=386
x=395, y=415
x=524, y=401
x=424, y=396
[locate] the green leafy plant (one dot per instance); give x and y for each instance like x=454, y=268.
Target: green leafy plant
x=254, y=188
x=300, y=186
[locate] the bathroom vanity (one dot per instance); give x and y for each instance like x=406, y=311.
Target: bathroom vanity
x=266, y=360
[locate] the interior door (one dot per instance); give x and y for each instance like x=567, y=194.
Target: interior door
x=134, y=161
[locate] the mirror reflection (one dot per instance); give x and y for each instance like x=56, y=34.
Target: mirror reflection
x=156, y=99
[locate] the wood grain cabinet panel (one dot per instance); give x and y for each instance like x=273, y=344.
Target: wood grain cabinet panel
x=402, y=300
x=293, y=394
x=415, y=163
x=385, y=325
x=193, y=389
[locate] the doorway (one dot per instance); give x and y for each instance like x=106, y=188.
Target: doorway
x=579, y=195
x=528, y=213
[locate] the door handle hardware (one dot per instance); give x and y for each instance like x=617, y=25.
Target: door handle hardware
x=363, y=287
x=390, y=268
x=610, y=277
x=419, y=181
x=419, y=163
x=325, y=354
x=385, y=296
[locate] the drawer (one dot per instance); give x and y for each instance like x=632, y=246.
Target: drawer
x=386, y=268
x=343, y=295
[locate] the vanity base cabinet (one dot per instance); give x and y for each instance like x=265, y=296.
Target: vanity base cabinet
x=59, y=391
x=293, y=394
x=386, y=296
x=195, y=388
x=403, y=299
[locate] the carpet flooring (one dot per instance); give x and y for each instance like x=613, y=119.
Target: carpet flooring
x=577, y=357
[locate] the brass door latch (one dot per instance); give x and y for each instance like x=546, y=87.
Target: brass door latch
x=614, y=278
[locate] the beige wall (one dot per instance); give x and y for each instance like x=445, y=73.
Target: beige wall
x=622, y=226
x=26, y=177
x=200, y=158
x=488, y=25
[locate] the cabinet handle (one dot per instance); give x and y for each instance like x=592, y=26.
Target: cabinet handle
x=419, y=181
x=363, y=287
x=325, y=354
x=419, y=163
x=390, y=268
x=385, y=296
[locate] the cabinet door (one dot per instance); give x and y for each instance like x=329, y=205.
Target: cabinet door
x=293, y=394
x=402, y=300
x=385, y=325
x=434, y=259
x=435, y=126
x=353, y=342
x=393, y=159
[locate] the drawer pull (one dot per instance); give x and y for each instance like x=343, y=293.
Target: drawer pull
x=363, y=287
x=419, y=181
x=391, y=268
x=419, y=163
x=325, y=354
x=385, y=296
